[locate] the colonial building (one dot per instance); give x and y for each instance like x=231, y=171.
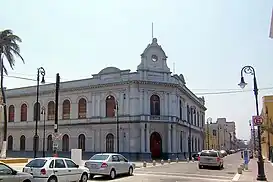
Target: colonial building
x=155, y=110
x=221, y=135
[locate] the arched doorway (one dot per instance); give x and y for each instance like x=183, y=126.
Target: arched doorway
x=156, y=145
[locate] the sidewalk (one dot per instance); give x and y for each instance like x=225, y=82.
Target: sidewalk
x=251, y=174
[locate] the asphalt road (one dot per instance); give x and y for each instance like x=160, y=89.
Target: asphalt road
x=182, y=172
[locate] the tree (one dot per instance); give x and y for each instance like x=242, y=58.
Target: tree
x=9, y=48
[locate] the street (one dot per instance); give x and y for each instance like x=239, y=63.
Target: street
x=178, y=172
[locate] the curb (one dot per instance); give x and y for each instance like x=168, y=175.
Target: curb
x=14, y=161
x=159, y=164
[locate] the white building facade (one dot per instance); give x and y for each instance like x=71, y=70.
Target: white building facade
x=155, y=111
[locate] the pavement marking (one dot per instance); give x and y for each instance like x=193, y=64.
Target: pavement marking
x=186, y=174
x=185, y=177
x=236, y=177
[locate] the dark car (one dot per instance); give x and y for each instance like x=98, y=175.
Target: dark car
x=195, y=156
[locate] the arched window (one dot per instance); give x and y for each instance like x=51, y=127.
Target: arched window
x=66, y=109
x=11, y=113
x=110, y=142
x=37, y=144
x=155, y=105
x=51, y=110
x=10, y=142
x=81, y=142
x=82, y=109
x=35, y=112
x=49, y=143
x=22, y=143
x=180, y=109
x=110, y=104
x=23, y=112
x=65, y=142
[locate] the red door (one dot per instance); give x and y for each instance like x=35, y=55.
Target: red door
x=155, y=145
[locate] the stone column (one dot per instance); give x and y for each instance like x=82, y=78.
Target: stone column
x=169, y=139
x=93, y=105
x=148, y=138
x=174, y=144
x=121, y=104
x=142, y=138
x=141, y=98
x=127, y=103
x=146, y=103
x=166, y=104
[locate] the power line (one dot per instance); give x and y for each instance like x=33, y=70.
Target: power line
x=227, y=91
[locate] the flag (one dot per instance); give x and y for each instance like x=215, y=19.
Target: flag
x=271, y=26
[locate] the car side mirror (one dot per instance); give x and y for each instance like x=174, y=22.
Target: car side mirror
x=14, y=172
x=77, y=166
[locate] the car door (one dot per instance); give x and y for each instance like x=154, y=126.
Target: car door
x=116, y=164
x=6, y=174
x=74, y=173
x=60, y=170
x=124, y=165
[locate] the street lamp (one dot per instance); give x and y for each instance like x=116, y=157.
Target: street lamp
x=44, y=114
x=40, y=71
x=190, y=120
x=209, y=120
x=250, y=70
x=117, y=117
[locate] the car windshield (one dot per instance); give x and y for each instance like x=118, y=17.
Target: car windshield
x=99, y=157
x=37, y=163
x=209, y=154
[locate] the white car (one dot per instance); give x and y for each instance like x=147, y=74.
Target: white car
x=210, y=158
x=7, y=174
x=56, y=169
x=109, y=164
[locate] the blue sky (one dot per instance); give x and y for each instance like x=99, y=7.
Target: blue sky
x=208, y=40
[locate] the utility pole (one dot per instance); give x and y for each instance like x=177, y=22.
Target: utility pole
x=55, y=145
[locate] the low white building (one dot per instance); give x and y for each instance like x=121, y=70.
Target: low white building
x=154, y=112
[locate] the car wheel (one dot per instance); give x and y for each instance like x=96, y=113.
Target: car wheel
x=130, y=172
x=52, y=179
x=84, y=177
x=112, y=174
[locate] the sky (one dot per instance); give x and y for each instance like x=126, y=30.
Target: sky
x=208, y=41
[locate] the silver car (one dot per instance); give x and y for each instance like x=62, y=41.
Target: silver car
x=109, y=164
x=210, y=158
x=7, y=174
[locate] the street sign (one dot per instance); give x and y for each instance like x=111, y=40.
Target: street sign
x=257, y=120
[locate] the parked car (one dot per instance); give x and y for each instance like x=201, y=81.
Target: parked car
x=223, y=152
x=195, y=156
x=109, y=164
x=210, y=158
x=56, y=169
x=8, y=174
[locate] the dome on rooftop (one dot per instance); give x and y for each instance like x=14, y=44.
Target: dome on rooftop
x=109, y=70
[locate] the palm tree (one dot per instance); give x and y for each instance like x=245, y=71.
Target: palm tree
x=8, y=49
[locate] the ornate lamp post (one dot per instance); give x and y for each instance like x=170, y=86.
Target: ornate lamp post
x=250, y=70
x=44, y=117
x=209, y=120
x=191, y=113
x=40, y=71
x=117, y=117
